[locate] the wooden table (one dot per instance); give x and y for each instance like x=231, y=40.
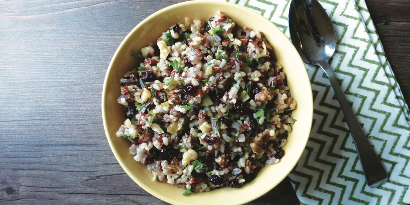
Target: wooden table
x=53, y=59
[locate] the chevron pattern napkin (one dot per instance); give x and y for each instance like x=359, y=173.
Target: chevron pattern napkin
x=329, y=171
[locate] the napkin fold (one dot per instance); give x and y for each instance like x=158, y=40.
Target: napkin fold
x=329, y=170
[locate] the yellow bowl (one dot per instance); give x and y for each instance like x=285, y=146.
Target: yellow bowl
x=147, y=32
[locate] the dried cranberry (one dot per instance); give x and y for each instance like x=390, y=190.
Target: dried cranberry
x=208, y=27
x=216, y=95
x=209, y=161
x=234, y=183
x=191, y=90
x=211, y=140
x=176, y=28
x=187, y=63
x=241, y=109
x=148, y=76
x=225, y=121
x=130, y=110
x=216, y=180
x=168, y=153
x=279, y=154
x=254, y=89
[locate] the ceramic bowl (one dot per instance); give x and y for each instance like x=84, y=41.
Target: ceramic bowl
x=147, y=32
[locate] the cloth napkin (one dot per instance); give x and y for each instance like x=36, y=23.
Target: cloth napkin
x=329, y=171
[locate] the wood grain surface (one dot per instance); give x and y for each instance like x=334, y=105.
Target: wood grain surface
x=53, y=59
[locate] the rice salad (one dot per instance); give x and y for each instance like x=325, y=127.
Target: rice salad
x=208, y=105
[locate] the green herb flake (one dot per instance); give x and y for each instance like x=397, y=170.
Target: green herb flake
x=198, y=165
x=186, y=191
x=260, y=113
x=136, y=54
x=200, y=134
x=153, y=95
x=139, y=107
x=127, y=136
x=236, y=53
x=228, y=21
x=231, y=117
x=183, y=82
x=176, y=66
x=142, y=68
x=168, y=81
x=248, y=87
x=219, y=55
x=244, y=96
x=183, y=37
x=221, y=141
x=225, y=57
x=157, y=178
x=179, y=181
x=233, y=133
x=165, y=97
x=217, y=32
x=294, y=120
x=263, y=158
x=201, y=154
x=217, y=132
x=152, y=119
x=261, y=60
x=187, y=107
x=169, y=40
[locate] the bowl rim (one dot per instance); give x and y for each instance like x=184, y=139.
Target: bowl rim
x=110, y=68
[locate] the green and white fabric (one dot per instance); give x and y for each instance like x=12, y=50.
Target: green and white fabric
x=329, y=171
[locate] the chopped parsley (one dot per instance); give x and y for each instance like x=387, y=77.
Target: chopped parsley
x=219, y=55
x=153, y=95
x=142, y=68
x=261, y=60
x=225, y=57
x=294, y=120
x=249, y=61
x=187, y=107
x=136, y=54
x=139, y=107
x=200, y=134
x=260, y=113
x=183, y=37
x=176, y=66
x=179, y=181
x=236, y=53
x=198, y=165
x=169, y=40
x=127, y=136
x=217, y=32
x=183, y=82
x=228, y=21
x=201, y=154
x=221, y=141
x=263, y=158
x=231, y=117
x=168, y=81
x=157, y=178
x=186, y=191
x=247, y=146
x=233, y=133
x=152, y=118
x=244, y=96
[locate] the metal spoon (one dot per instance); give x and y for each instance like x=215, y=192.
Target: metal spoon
x=314, y=37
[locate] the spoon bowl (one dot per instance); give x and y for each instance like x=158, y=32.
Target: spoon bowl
x=314, y=37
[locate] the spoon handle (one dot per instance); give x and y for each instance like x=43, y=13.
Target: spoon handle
x=373, y=169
